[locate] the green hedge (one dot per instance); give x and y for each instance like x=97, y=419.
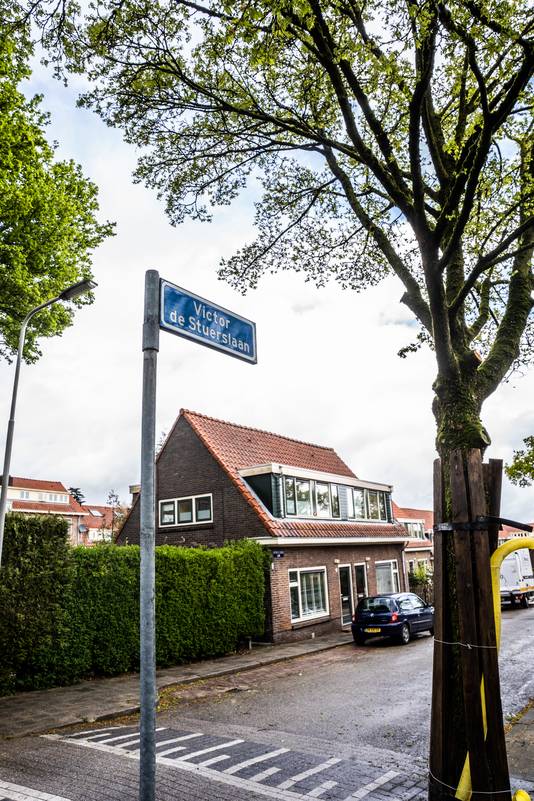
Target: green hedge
x=69, y=613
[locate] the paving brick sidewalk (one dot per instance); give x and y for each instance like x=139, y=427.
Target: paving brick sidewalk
x=41, y=710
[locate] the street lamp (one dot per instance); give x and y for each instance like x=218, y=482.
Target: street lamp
x=80, y=288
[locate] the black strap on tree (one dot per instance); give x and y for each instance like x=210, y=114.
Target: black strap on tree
x=481, y=523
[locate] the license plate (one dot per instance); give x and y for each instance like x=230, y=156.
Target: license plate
x=372, y=631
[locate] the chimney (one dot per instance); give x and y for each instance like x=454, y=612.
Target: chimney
x=135, y=490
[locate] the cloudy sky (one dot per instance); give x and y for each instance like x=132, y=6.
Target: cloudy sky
x=327, y=370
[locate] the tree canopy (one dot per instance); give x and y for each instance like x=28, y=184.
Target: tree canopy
x=48, y=222
x=521, y=470
x=387, y=137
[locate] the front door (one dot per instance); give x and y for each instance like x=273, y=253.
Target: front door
x=345, y=590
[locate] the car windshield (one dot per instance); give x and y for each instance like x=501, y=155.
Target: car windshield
x=376, y=605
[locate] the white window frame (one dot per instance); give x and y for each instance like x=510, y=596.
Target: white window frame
x=194, y=521
x=394, y=567
x=364, y=565
x=24, y=494
x=298, y=570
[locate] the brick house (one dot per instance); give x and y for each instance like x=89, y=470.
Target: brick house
x=97, y=524
x=332, y=535
x=419, y=526
x=34, y=496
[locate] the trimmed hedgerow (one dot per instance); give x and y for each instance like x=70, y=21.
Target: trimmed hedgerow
x=68, y=613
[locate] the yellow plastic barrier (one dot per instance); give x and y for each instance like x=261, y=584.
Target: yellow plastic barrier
x=464, y=790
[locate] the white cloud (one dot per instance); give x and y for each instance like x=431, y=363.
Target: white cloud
x=327, y=372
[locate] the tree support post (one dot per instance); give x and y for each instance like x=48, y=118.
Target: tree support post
x=468, y=750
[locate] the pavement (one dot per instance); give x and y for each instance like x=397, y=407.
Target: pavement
x=36, y=712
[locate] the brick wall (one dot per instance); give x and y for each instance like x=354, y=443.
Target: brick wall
x=283, y=628
x=185, y=467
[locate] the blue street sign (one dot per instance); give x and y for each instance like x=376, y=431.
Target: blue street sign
x=192, y=317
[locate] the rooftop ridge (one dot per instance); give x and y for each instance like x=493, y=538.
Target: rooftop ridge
x=37, y=480
x=256, y=430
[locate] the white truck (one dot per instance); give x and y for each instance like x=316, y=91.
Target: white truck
x=517, y=579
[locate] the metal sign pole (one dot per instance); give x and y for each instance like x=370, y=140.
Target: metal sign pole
x=147, y=757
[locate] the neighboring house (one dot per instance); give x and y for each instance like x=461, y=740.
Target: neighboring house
x=331, y=535
x=419, y=523
x=33, y=496
x=97, y=524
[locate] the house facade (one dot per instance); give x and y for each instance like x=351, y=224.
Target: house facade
x=419, y=524
x=332, y=536
x=97, y=524
x=33, y=496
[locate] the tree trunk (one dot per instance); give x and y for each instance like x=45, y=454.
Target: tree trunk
x=465, y=644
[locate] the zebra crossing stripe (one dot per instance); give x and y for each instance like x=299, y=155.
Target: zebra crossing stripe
x=214, y=760
x=179, y=739
x=209, y=750
x=259, y=777
x=254, y=760
x=125, y=737
x=305, y=773
x=368, y=788
x=83, y=734
x=321, y=789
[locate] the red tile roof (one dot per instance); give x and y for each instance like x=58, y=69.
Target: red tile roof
x=405, y=513
x=44, y=507
x=37, y=484
x=235, y=447
x=238, y=446
x=95, y=521
x=508, y=532
x=420, y=545
x=285, y=527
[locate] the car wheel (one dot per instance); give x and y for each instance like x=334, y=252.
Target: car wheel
x=404, y=636
x=524, y=602
x=359, y=640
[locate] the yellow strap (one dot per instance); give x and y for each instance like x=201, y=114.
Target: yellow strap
x=464, y=790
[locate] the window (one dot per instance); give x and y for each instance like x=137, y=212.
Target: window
x=186, y=511
x=203, y=508
x=308, y=593
x=359, y=503
x=322, y=494
x=387, y=576
x=365, y=504
x=415, y=530
x=335, y=501
x=303, y=498
x=167, y=513
x=291, y=507
x=24, y=494
x=351, y=513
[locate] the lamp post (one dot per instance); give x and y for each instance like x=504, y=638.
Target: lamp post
x=80, y=288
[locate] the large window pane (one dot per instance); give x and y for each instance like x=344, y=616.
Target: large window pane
x=203, y=508
x=303, y=498
x=359, y=504
x=382, y=505
x=167, y=514
x=335, y=501
x=350, y=503
x=322, y=494
x=384, y=578
x=372, y=503
x=291, y=508
x=185, y=510
x=312, y=593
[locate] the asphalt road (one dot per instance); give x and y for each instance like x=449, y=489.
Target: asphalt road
x=340, y=725
x=377, y=696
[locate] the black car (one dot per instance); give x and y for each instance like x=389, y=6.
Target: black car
x=398, y=615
